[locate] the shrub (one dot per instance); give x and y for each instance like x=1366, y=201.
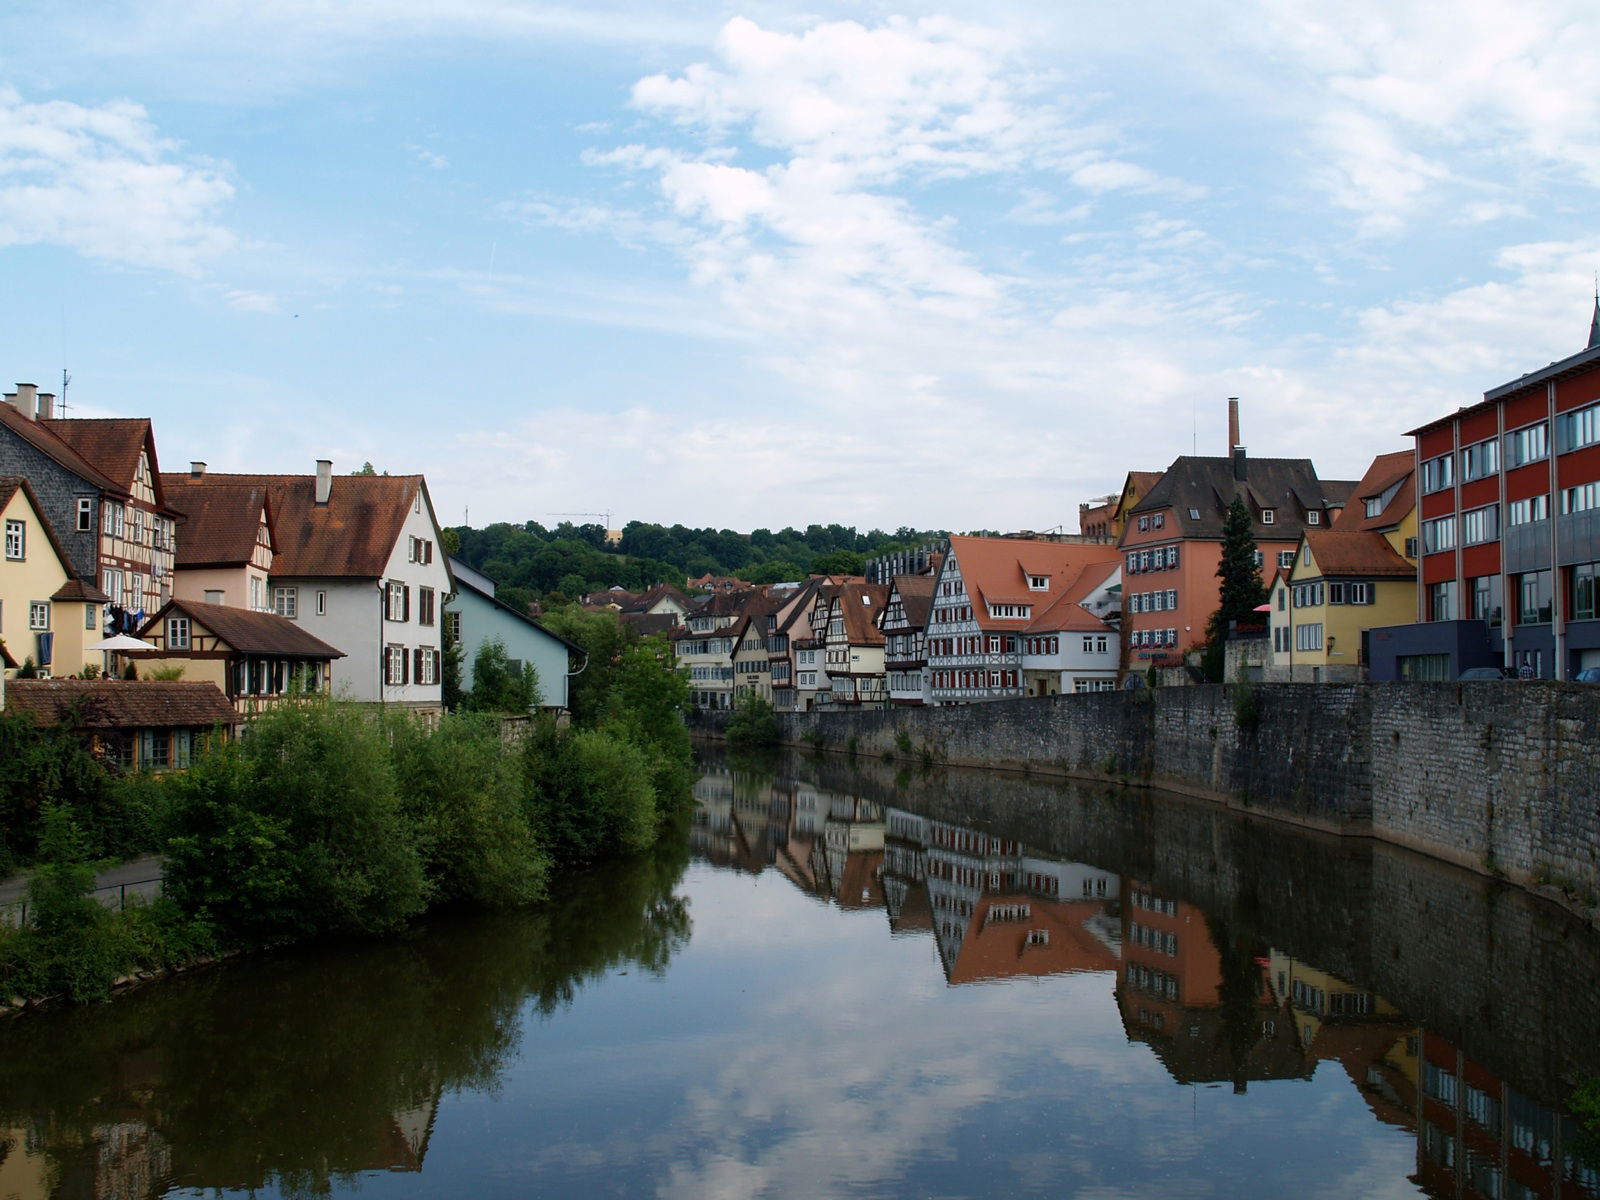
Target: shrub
x=590, y=793
x=463, y=799
x=753, y=723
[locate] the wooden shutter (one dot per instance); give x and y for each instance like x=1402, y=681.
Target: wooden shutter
x=405, y=603
x=417, y=666
x=436, y=675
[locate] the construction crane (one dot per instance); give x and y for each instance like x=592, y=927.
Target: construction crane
x=605, y=515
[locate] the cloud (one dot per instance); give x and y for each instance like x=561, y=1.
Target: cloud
x=102, y=182
x=248, y=301
x=428, y=158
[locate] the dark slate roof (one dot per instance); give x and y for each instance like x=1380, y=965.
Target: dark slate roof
x=916, y=597
x=221, y=519
x=1288, y=486
x=246, y=631
x=49, y=443
x=351, y=536
x=646, y=624
x=122, y=704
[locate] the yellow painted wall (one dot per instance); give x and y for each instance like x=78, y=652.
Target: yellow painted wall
x=39, y=576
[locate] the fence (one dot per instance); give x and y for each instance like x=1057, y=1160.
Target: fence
x=111, y=895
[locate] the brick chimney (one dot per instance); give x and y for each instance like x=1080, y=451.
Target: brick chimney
x=324, y=480
x=47, y=405
x=1233, y=424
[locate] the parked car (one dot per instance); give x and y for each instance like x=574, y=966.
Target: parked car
x=1587, y=675
x=1472, y=674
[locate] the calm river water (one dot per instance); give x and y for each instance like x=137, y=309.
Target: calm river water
x=844, y=981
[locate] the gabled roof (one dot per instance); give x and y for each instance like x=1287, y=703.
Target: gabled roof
x=122, y=704
x=1356, y=552
x=113, y=444
x=1141, y=482
x=10, y=485
x=996, y=571
x=222, y=520
x=77, y=591
x=1385, y=471
x=1288, y=486
x=352, y=536
x=246, y=631
x=649, y=624
x=859, y=604
x=653, y=596
x=916, y=597
x=49, y=443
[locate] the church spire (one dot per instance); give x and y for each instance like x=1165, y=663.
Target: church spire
x=1594, y=322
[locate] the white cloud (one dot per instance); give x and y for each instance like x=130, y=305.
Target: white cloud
x=248, y=301
x=428, y=158
x=102, y=182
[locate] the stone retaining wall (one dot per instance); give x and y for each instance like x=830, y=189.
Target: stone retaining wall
x=1500, y=777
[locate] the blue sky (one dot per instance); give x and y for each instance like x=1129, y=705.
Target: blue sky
x=957, y=266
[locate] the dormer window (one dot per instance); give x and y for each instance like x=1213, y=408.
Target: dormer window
x=1313, y=518
x=1038, y=583
x=1268, y=516
x=1194, y=514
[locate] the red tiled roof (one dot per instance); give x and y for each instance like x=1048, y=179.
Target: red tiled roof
x=1356, y=552
x=222, y=519
x=246, y=631
x=122, y=704
x=1386, y=469
x=77, y=591
x=112, y=444
x=859, y=603
x=351, y=536
x=49, y=443
x=994, y=571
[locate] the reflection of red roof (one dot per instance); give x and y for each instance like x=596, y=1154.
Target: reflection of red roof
x=1002, y=949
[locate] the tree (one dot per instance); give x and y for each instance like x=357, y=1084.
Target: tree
x=500, y=685
x=1242, y=591
x=450, y=671
x=838, y=562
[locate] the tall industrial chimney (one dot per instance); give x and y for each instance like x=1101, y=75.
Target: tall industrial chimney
x=1233, y=424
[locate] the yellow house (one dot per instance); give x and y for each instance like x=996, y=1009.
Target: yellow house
x=1358, y=575
x=47, y=615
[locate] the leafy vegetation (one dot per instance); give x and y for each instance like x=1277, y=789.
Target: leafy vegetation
x=531, y=562
x=499, y=685
x=752, y=724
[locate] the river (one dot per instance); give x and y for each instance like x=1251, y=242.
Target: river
x=864, y=980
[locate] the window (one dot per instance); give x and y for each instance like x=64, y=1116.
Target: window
x=1285, y=559
x=1581, y=498
x=111, y=584
x=397, y=601
x=1144, y=524
x=1308, y=637
x=39, y=615
x=395, y=664
x=1268, y=516
x=1480, y=525
x=1038, y=583
x=1376, y=504
x=1581, y=428
x=420, y=550
x=1480, y=460
x=1282, y=599
x=16, y=541
x=1313, y=518
x=426, y=661
x=1194, y=514
x=1523, y=512
x=452, y=629
x=91, y=616
x=1583, y=606
x=322, y=604
x=425, y=606
x=1443, y=601
x=1260, y=559
x=154, y=750
x=1485, y=598
x=257, y=590
x=177, y=633
x=1533, y=598
x=1336, y=593
x=1527, y=445
x=1358, y=593
x=1439, y=535
x=1172, y=598
x=286, y=602
x=1172, y=556
x=1437, y=474
x=85, y=513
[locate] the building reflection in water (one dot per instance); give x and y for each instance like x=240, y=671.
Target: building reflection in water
x=1215, y=1007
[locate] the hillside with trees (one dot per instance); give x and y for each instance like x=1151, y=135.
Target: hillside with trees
x=531, y=562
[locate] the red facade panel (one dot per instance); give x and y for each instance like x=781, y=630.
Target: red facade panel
x=1435, y=442
x=1525, y=409
x=1478, y=426
x=1438, y=568
x=1480, y=560
x=1531, y=480
x=1580, y=466
x=1480, y=492
x=1578, y=391
x=1438, y=504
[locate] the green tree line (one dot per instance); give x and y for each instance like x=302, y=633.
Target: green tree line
x=530, y=561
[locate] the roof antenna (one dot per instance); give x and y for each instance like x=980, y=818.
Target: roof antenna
x=65, y=380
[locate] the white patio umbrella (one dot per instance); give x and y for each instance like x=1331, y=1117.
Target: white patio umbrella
x=122, y=641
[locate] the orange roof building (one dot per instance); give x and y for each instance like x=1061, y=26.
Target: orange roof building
x=997, y=600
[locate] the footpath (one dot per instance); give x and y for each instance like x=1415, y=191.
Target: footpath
x=112, y=887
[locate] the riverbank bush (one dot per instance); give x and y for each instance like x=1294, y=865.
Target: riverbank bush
x=753, y=723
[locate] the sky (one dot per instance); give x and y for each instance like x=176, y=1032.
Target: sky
x=958, y=266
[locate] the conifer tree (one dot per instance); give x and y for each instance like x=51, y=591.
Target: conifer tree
x=1242, y=591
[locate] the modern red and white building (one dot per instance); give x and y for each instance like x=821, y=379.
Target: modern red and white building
x=1509, y=531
